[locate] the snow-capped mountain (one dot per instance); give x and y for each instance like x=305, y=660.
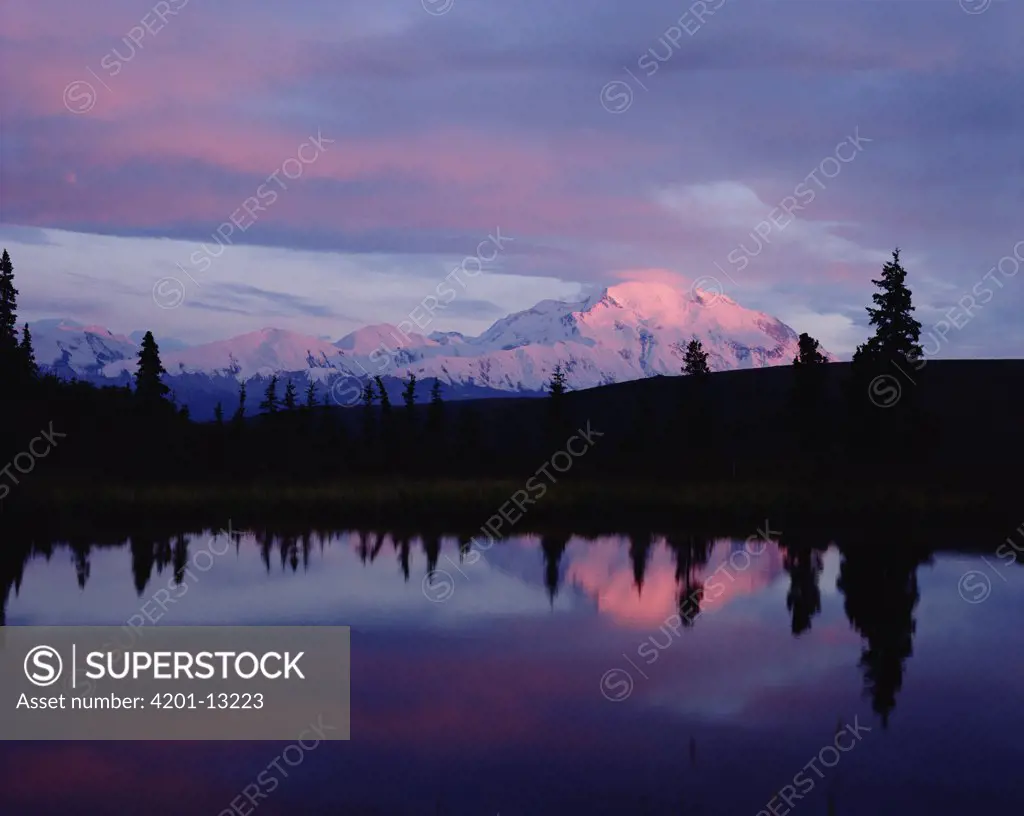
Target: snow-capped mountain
x=259, y=353
x=71, y=349
x=625, y=332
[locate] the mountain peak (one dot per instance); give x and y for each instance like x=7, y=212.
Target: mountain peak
x=629, y=330
x=370, y=338
x=651, y=298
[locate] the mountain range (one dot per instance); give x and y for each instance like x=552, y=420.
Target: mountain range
x=625, y=332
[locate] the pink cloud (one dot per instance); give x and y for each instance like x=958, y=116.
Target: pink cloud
x=604, y=572
x=668, y=277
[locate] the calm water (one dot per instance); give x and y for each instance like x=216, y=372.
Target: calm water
x=550, y=676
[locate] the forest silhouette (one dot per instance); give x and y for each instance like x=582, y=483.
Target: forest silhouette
x=885, y=432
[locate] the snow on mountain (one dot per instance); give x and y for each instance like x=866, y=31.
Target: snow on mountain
x=626, y=332
x=363, y=342
x=263, y=352
x=73, y=349
x=165, y=343
x=447, y=338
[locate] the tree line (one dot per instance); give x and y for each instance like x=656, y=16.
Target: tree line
x=137, y=434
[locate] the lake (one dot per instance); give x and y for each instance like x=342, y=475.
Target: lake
x=626, y=674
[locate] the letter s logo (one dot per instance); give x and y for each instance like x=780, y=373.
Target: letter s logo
x=39, y=666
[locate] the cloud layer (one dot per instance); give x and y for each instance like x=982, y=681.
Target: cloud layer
x=368, y=146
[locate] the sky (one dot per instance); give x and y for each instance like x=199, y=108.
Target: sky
x=208, y=169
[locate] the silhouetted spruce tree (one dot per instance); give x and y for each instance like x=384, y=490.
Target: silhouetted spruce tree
x=690, y=554
x=409, y=392
x=14, y=555
x=367, y=397
x=807, y=410
x=696, y=445
x=163, y=553
x=432, y=549
x=557, y=384
x=401, y=544
x=695, y=359
x=369, y=545
x=887, y=429
x=552, y=548
x=382, y=394
x=289, y=396
x=809, y=352
x=142, y=562
x=28, y=355
x=307, y=411
x=896, y=331
x=80, y=557
x=387, y=431
x=880, y=589
x=269, y=404
x=179, y=558
x=689, y=601
x=435, y=413
x=465, y=546
x=408, y=429
x=557, y=389
x=9, y=356
x=149, y=387
x=239, y=416
x=803, y=600
x=216, y=453
x=639, y=555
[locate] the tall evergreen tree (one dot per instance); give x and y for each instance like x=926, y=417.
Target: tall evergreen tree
x=557, y=385
x=28, y=355
x=218, y=414
x=8, y=318
x=149, y=387
x=270, y=404
x=435, y=413
x=883, y=441
x=695, y=359
x=368, y=396
x=552, y=548
x=409, y=392
x=695, y=437
x=896, y=331
x=807, y=413
x=880, y=588
x=382, y=394
x=409, y=423
x=809, y=352
x=311, y=395
x=639, y=554
x=803, y=600
x=556, y=422
x=239, y=415
x=289, y=396
x=386, y=457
